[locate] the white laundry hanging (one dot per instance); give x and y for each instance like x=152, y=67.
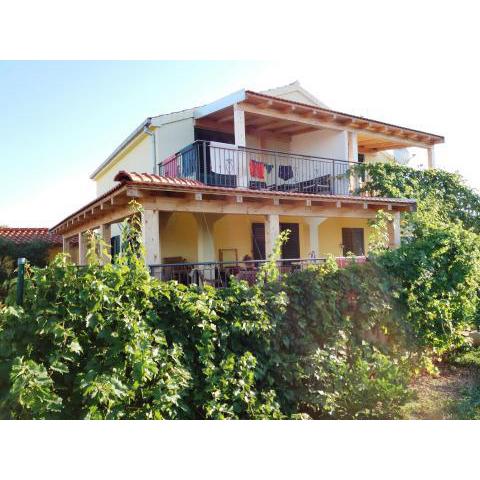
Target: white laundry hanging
x=224, y=158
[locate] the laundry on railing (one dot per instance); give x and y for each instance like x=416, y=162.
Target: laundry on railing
x=224, y=158
x=189, y=161
x=285, y=172
x=342, y=262
x=257, y=169
x=170, y=166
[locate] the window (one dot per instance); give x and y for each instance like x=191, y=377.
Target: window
x=353, y=241
x=213, y=136
x=114, y=246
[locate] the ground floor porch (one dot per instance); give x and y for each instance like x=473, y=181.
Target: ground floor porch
x=202, y=237
x=189, y=227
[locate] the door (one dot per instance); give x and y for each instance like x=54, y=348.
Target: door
x=291, y=249
x=353, y=241
x=258, y=241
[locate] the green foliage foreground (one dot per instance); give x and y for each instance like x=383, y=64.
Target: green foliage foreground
x=113, y=343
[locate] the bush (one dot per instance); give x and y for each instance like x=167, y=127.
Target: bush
x=341, y=345
x=35, y=251
x=439, y=273
x=111, y=342
x=438, y=264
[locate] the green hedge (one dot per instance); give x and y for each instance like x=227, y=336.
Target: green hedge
x=112, y=342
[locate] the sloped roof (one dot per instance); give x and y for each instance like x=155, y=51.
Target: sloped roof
x=160, y=183
x=294, y=91
x=27, y=235
x=124, y=176
x=147, y=179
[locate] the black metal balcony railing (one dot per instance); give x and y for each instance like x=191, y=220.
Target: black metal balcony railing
x=230, y=166
x=219, y=274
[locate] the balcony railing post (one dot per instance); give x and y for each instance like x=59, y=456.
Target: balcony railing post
x=231, y=168
x=334, y=180
x=204, y=162
x=275, y=167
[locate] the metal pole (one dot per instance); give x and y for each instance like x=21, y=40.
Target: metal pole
x=205, y=162
x=20, y=279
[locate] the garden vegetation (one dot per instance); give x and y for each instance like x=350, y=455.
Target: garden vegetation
x=111, y=342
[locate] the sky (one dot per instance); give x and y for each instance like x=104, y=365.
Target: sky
x=60, y=119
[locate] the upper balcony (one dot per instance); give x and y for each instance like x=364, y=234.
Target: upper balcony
x=230, y=166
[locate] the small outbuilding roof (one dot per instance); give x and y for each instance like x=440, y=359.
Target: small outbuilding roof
x=25, y=235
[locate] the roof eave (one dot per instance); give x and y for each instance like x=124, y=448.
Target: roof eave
x=436, y=138
x=220, y=104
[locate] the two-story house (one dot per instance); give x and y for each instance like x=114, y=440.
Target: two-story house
x=219, y=182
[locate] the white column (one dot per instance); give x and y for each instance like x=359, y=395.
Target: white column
x=394, y=231
x=65, y=245
x=431, y=157
x=239, y=126
x=353, y=157
x=82, y=248
x=313, y=223
x=272, y=231
x=106, y=235
x=352, y=147
x=151, y=237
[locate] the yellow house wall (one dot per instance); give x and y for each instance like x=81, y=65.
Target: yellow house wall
x=330, y=234
x=179, y=239
x=136, y=158
x=52, y=252
x=235, y=231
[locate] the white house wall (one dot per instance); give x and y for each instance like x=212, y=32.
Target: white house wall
x=269, y=143
x=172, y=137
x=321, y=143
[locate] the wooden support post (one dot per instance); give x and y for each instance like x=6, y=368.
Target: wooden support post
x=431, y=157
x=394, y=231
x=151, y=237
x=106, y=235
x=65, y=244
x=272, y=231
x=82, y=248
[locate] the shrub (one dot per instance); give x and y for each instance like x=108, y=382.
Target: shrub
x=35, y=251
x=438, y=264
x=111, y=342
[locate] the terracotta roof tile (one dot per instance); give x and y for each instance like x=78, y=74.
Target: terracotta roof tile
x=165, y=183
x=26, y=235
x=124, y=176
x=149, y=178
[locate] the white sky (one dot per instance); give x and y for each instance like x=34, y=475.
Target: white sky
x=414, y=64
